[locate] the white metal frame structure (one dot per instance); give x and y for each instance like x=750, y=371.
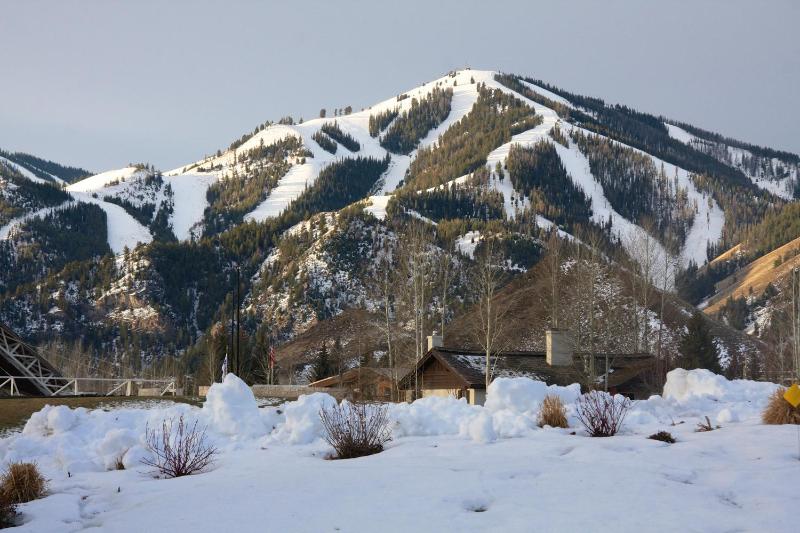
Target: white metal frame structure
x=24, y=369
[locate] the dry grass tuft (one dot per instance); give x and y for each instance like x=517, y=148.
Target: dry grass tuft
x=704, y=427
x=553, y=413
x=21, y=483
x=779, y=411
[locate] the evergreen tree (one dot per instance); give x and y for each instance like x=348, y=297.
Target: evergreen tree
x=321, y=367
x=697, y=347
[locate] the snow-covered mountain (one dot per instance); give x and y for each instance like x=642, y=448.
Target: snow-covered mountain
x=307, y=210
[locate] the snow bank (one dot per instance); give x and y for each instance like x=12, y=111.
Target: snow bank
x=77, y=440
x=432, y=416
x=232, y=410
x=685, y=385
x=302, y=424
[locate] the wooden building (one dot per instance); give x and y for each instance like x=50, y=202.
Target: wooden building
x=363, y=383
x=462, y=373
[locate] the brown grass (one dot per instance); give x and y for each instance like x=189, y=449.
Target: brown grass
x=706, y=426
x=22, y=482
x=553, y=413
x=779, y=411
x=14, y=412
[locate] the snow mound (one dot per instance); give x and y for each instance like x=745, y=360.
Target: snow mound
x=232, y=410
x=51, y=420
x=435, y=415
x=684, y=385
x=302, y=424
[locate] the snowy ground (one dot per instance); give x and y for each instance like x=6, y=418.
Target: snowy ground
x=450, y=467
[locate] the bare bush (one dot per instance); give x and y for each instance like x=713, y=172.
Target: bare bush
x=601, y=413
x=553, y=413
x=21, y=483
x=779, y=411
x=356, y=429
x=178, y=449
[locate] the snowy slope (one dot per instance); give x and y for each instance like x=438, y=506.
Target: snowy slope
x=106, y=179
x=22, y=170
x=124, y=231
x=190, y=201
x=735, y=157
x=356, y=124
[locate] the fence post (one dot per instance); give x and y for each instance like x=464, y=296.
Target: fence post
x=75, y=387
x=129, y=388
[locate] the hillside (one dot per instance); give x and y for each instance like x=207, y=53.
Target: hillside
x=141, y=263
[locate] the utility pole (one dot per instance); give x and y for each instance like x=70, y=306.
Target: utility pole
x=796, y=321
x=238, y=321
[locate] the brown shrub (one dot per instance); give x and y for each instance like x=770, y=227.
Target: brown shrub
x=178, y=449
x=553, y=413
x=779, y=411
x=21, y=483
x=8, y=513
x=663, y=436
x=601, y=413
x=356, y=429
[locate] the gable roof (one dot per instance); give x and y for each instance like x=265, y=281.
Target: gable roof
x=469, y=367
x=365, y=372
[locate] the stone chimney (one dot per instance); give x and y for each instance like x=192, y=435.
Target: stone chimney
x=559, y=347
x=435, y=341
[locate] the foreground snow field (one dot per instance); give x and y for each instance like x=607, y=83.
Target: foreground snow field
x=450, y=467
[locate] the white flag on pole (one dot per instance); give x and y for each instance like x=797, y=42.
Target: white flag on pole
x=225, y=366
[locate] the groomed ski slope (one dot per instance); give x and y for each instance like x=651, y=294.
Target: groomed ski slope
x=449, y=467
x=356, y=124
x=22, y=170
x=779, y=187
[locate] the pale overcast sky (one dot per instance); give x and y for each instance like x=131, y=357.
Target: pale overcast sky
x=102, y=83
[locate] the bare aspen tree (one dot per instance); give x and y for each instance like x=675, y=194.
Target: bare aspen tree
x=644, y=250
x=446, y=266
x=592, y=271
x=491, y=319
x=554, y=266
x=385, y=288
x=416, y=267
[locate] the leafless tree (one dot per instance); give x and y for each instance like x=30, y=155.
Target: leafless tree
x=490, y=329
x=416, y=268
x=384, y=291
x=554, y=252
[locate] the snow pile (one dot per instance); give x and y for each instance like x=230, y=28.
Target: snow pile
x=515, y=403
x=435, y=415
x=685, y=385
x=52, y=420
x=301, y=422
x=231, y=409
